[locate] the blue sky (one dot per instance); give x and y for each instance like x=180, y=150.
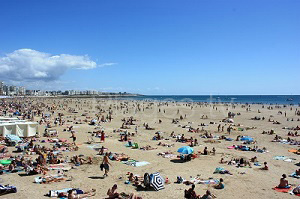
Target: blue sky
x=153, y=47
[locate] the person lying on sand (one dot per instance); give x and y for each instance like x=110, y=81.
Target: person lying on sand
x=50, y=179
x=72, y=194
x=147, y=148
x=165, y=144
x=296, y=190
x=297, y=172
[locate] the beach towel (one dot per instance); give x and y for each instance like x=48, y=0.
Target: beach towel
x=291, y=192
x=140, y=164
x=171, y=156
x=135, y=163
x=128, y=145
x=14, y=138
x=219, y=169
x=293, y=150
x=289, y=160
x=96, y=147
x=230, y=147
x=211, y=181
x=283, y=190
x=257, y=164
x=5, y=162
x=16, y=170
x=64, y=167
x=54, y=193
x=280, y=157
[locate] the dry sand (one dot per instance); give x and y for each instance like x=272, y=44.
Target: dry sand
x=254, y=183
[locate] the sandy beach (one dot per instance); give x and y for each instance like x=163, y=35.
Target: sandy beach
x=244, y=182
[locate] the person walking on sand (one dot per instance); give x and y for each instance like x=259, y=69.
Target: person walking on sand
x=106, y=164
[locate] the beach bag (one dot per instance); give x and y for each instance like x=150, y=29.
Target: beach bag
x=102, y=166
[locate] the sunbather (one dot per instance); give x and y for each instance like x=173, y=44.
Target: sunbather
x=284, y=184
x=73, y=194
x=296, y=190
x=190, y=193
x=220, y=185
x=207, y=195
x=265, y=166
x=112, y=193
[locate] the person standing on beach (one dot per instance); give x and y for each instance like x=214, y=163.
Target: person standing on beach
x=73, y=136
x=106, y=164
x=102, y=136
x=229, y=130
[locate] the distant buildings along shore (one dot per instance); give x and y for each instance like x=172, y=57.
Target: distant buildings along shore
x=8, y=90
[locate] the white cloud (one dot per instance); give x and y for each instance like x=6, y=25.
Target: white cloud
x=31, y=65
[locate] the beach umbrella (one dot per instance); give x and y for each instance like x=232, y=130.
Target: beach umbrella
x=157, y=182
x=17, y=113
x=185, y=150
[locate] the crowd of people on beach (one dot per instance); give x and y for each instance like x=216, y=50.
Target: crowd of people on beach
x=42, y=154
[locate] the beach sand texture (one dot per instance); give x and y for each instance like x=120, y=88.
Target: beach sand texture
x=244, y=183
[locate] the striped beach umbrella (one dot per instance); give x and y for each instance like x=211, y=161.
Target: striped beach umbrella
x=157, y=182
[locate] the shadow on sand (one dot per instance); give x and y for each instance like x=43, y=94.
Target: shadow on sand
x=96, y=177
x=177, y=161
x=141, y=188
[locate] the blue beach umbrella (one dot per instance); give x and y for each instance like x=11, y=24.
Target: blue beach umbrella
x=185, y=150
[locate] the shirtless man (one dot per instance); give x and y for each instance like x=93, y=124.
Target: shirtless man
x=106, y=164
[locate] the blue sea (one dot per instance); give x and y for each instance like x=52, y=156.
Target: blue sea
x=243, y=99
